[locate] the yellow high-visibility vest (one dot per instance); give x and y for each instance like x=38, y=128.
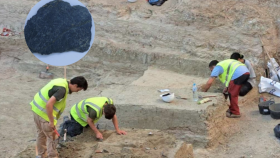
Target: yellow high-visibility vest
x=41, y=98
x=79, y=111
x=229, y=66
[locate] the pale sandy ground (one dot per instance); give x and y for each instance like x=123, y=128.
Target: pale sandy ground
x=255, y=137
x=155, y=145
x=19, y=84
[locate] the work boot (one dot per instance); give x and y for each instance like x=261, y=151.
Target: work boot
x=228, y=113
x=231, y=115
x=65, y=118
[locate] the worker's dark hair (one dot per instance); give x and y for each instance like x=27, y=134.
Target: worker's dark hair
x=236, y=56
x=213, y=63
x=80, y=81
x=110, y=111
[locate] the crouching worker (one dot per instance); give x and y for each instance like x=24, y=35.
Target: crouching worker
x=233, y=74
x=87, y=113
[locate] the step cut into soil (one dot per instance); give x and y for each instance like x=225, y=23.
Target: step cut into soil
x=59, y=27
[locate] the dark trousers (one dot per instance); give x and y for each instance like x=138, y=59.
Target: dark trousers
x=73, y=127
x=245, y=88
x=234, y=90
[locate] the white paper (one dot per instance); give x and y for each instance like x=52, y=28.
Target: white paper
x=164, y=90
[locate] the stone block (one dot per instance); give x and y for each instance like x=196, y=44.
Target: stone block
x=142, y=108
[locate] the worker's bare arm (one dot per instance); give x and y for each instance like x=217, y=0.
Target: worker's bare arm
x=116, y=124
x=95, y=130
x=49, y=108
x=209, y=83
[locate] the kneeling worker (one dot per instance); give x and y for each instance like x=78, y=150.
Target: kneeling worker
x=88, y=112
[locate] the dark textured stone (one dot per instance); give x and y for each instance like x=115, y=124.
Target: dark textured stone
x=59, y=27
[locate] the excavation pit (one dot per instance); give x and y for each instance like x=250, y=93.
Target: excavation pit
x=142, y=108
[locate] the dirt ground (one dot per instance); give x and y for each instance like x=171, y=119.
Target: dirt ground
x=252, y=133
x=253, y=136
x=19, y=83
x=137, y=143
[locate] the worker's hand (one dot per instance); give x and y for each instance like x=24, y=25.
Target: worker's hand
x=99, y=135
x=202, y=88
x=51, y=124
x=225, y=90
x=121, y=132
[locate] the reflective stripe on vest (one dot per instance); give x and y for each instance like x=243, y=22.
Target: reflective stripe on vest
x=78, y=113
x=109, y=101
x=97, y=107
x=41, y=99
x=83, y=106
x=45, y=100
x=228, y=70
x=40, y=108
x=229, y=66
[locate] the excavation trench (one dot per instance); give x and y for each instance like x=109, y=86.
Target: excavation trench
x=133, y=79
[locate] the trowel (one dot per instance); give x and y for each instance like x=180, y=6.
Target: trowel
x=202, y=97
x=57, y=137
x=179, y=97
x=100, y=140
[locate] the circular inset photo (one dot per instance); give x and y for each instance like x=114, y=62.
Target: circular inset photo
x=59, y=32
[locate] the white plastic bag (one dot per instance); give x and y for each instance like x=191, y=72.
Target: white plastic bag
x=269, y=86
x=272, y=73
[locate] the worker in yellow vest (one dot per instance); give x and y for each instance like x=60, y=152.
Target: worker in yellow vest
x=87, y=113
x=233, y=74
x=47, y=106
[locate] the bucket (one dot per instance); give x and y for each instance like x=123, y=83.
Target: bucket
x=275, y=111
x=264, y=107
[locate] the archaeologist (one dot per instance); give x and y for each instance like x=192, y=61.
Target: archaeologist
x=252, y=79
x=47, y=107
x=232, y=74
x=87, y=113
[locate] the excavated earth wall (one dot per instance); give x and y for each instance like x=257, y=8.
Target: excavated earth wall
x=142, y=108
x=181, y=36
